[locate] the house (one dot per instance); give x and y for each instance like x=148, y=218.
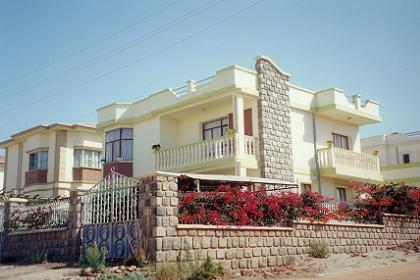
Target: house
x=50, y=160
x=1, y=171
x=244, y=122
x=399, y=155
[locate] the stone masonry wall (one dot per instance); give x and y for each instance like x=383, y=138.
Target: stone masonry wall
x=274, y=127
x=246, y=247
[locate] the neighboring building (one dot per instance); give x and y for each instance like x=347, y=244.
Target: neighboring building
x=399, y=155
x=1, y=171
x=50, y=160
x=247, y=123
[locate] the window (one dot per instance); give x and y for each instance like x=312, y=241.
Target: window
x=38, y=160
x=86, y=158
x=406, y=158
x=306, y=188
x=215, y=129
x=119, y=145
x=341, y=194
x=340, y=141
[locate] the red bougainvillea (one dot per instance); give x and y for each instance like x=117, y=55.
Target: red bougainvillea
x=228, y=205
x=232, y=206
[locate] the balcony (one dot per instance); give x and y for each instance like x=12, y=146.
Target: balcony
x=209, y=155
x=345, y=164
x=333, y=103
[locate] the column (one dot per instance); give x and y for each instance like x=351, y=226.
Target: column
x=238, y=125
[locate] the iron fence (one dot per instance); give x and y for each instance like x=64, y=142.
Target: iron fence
x=50, y=214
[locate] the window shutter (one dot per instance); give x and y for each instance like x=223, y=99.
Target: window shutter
x=247, y=121
x=230, y=120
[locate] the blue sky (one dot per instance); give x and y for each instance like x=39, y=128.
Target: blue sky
x=366, y=47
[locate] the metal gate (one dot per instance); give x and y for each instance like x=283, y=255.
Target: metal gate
x=110, y=212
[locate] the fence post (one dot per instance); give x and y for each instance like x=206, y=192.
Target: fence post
x=74, y=226
x=6, y=226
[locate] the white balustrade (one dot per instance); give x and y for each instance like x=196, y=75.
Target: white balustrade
x=340, y=158
x=196, y=153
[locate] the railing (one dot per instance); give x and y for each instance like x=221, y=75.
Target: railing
x=204, y=151
x=114, y=199
x=52, y=214
x=335, y=157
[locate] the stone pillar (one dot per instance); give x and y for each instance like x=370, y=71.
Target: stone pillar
x=74, y=227
x=238, y=125
x=274, y=129
x=158, y=218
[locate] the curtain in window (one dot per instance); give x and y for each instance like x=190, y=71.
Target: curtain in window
x=38, y=160
x=86, y=158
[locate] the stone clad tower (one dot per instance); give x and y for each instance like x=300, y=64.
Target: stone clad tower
x=274, y=126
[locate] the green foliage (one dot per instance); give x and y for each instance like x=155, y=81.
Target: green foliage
x=39, y=256
x=207, y=271
x=318, y=250
x=95, y=258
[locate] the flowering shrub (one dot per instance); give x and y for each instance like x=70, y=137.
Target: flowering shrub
x=314, y=208
x=393, y=198
x=229, y=205
x=232, y=206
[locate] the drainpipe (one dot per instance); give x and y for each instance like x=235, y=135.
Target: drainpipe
x=318, y=172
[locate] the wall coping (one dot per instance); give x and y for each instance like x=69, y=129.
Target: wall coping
x=340, y=224
x=223, y=227
x=38, y=231
x=398, y=215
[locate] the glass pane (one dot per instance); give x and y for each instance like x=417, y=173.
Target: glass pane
x=32, y=162
x=77, y=157
x=115, y=150
x=127, y=133
x=207, y=134
x=113, y=135
x=225, y=121
x=108, y=155
x=43, y=160
x=127, y=149
x=217, y=132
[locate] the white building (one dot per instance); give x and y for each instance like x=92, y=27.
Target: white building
x=399, y=155
x=248, y=123
x=50, y=160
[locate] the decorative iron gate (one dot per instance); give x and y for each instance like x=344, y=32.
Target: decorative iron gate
x=110, y=212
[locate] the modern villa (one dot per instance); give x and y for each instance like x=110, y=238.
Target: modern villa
x=399, y=155
x=51, y=160
x=245, y=122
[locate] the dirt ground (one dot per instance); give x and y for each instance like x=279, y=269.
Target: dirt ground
x=383, y=265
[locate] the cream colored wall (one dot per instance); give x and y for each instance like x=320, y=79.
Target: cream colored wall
x=329, y=188
x=12, y=166
x=146, y=134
